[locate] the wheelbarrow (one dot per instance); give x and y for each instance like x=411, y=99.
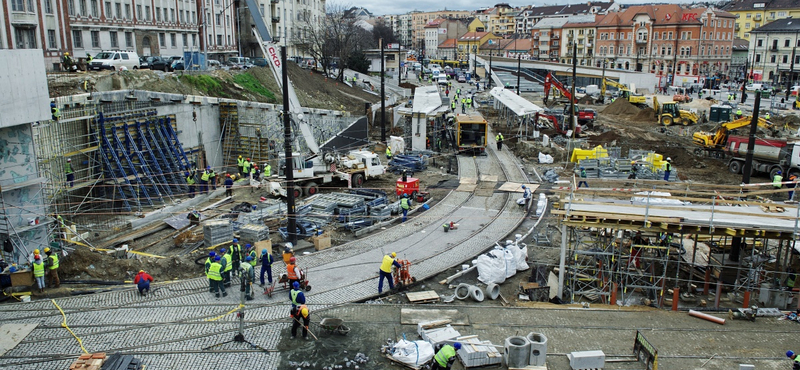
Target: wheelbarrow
x=284, y=284
x=332, y=325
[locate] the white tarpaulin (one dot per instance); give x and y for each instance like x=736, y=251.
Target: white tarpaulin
x=516, y=103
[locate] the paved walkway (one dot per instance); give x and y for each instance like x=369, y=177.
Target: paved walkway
x=172, y=328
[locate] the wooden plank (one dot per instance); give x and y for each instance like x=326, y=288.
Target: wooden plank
x=468, y=180
x=403, y=363
x=414, y=316
x=12, y=334
x=516, y=187
x=428, y=295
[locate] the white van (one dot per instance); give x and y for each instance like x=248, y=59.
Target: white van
x=442, y=79
x=115, y=60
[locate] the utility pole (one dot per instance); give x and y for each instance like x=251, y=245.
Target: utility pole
x=751, y=143
x=519, y=62
x=747, y=76
x=383, y=95
x=572, y=122
x=790, y=80
x=291, y=225
x=489, y=75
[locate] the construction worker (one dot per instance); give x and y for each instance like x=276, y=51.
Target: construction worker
x=634, y=168
x=446, y=92
x=142, y=281
x=68, y=63
x=297, y=315
x=296, y=296
x=794, y=181
x=212, y=179
x=583, y=176
x=453, y=105
x=190, y=181
x=469, y=101
x=738, y=113
x=267, y=170
x=209, y=261
x=388, y=152
x=52, y=265
x=194, y=217
x=386, y=270
x=228, y=185
x=405, y=205
x=795, y=360
x=777, y=180
x=70, y=173
x=215, y=277
x=791, y=276
x=236, y=255
x=227, y=266
x=667, y=169
x=246, y=168
x=293, y=272
x=266, y=266
x=255, y=173
x=248, y=274
x=204, y=180
x=463, y=105
x=240, y=164
x=446, y=356
x=55, y=113
x=288, y=253
x=499, y=138
x=458, y=91
x=38, y=272
x=767, y=116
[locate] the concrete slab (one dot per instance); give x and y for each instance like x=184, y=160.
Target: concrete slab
x=467, y=188
x=12, y=334
x=516, y=187
x=413, y=316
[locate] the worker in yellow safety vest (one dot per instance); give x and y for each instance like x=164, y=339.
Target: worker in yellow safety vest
x=388, y=152
x=204, y=180
x=190, y=181
x=267, y=170
x=226, y=270
x=52, y=265
x=777, y=180
x=446, y=356
x=38, y=272
x=386, y=271
x=240, y=164
x=208, y=263
x=246, y=168
x=215, y=277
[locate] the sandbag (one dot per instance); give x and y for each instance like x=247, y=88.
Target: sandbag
x=511, y=262
x=545, y=158
x=491, y=266
x=413, y=353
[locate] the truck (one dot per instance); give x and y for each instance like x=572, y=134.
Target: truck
x=713, y=143
x=311, y=169
x=769, y=156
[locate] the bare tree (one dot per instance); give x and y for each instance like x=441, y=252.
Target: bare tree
x=335, y=38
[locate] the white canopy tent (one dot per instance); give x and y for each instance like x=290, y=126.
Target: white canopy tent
x=516, y=110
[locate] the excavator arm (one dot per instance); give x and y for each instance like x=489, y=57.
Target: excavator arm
x=272, y=54
x=551, y=81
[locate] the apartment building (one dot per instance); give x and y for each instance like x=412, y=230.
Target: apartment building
x=499, y=19
x=470, y=43
x=772, y=49
x=579, y=30
x=441, y=29
x=39, y=24
x=420, y=20
x=546, y=39
x=529, y=17
x=752, y=14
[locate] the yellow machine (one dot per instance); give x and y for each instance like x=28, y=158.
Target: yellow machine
x=625, y=93
x=670, y=112
x=713, y=143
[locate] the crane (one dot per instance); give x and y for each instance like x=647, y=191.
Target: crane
x=713, y=143
x=624, y=92
x=551, y=82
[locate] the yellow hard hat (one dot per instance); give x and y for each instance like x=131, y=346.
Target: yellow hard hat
x=35, y=251
x=394, y=254
x=141, y=271
x=304, y=311
x=67, y=54
x=47, y=250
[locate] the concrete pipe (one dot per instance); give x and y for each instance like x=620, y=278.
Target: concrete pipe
x=538, y=355
x=476, y=293
x=462, y=291
x=516, y=351
x=493, y=291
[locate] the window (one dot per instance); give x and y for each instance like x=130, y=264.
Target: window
x=51, y=39
x=70, y=7
x=182, y=19
x=128, y=39
x=758, y=58
x=118, y=10
x=162, y=40
x=772, y=58
x=165, y=15
x=655, y=36
x=114, y=39
x=219, y=40
x=194, y=39
x=781, y=14
x=669, y=50
x=82, y=8
x=759, y=43
x=219, y=19
x=107, y=9
x=26, y=38
x=702, y=50
x=18, y=6
x=669, y=35
x=172, y=15
x=785, y=59
x=172, y=38
x=95, y=39
x=95, y=9
x=185, y=40
x=128, y=11
x=158, y=14
x=786, y=43
x=747, y=25
x=228, y=20
x=611, y=50
x=147, y=13
x=229, y=40
x=749, y=16
x=48, y=6
x=77, y=39
x=139, y=12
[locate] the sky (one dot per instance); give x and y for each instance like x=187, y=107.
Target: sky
x=383, y=7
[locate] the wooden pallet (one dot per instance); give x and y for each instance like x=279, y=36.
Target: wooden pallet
x=428, y=296
x=403, y=363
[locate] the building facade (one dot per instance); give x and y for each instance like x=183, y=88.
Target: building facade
x=39, y=24
x=546, y=39
x=752, y=14
x=420, y=20
x=773, y=52
x=579, y=30
x=499, y=19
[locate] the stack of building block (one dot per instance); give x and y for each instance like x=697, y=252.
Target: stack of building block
x=251, y=234
x=89, y=361
x=216, y=232
x=434, y=336
x=477, y=353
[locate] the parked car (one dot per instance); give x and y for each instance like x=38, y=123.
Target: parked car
x=239, y=62
x=144, y=62
x=442, y=79
x=756, y=86
x=178, y=64
x=214, y=64
x=260, y=62
x=461, y=78
x=416, y=66
x=115, y=60
x=164, y=63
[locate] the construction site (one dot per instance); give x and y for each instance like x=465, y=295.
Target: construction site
x=632, y=229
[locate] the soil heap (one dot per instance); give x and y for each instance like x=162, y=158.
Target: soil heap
x=621, y=107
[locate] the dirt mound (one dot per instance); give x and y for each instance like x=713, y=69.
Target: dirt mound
x=645, y=115
x=621, y=107
x=699, y=104
x=83, y=264
x=586, y=100
x=604, y=138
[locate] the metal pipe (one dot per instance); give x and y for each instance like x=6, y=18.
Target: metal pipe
x=706, y=317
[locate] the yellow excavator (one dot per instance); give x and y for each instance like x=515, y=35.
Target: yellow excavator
x=670, y=112
x=636, y=99
x=713, y=143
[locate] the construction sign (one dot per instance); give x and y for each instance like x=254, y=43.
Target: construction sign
x=645, y=352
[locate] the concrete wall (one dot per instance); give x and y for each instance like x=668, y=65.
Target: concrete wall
x=24, y=97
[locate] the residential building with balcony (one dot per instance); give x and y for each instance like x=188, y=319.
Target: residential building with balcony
x=773, y=52
x=40, y=24
x=752, y=14
x=579, y=30
x=420, y=19
x=547, y=39
x=292, y=22
x=499, y=19
x=470, y=44
x=441, y=29
x=529, y=17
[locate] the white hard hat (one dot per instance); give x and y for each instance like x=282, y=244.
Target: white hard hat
x=669, y=159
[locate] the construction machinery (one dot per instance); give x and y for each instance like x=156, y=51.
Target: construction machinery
x=713, y=143
x=681, y=95
x=769, y=156
x=585, y=116
x=670, y=112
x=551, y=82
x=314, y=168
x=638, y=100
x=559, y=121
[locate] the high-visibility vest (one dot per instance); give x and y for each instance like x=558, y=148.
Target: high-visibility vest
x=499, y=137
x=190, y=180
x=404, y=203
x=236, y=251
x=388, y=152
x=290, y=272
x=469, y=101
x=386, y=265
x=790, y=280
x=776, y=181
x=246, y=267
x=228, y=265
x=68, y=166
x=240, y=162
x=453, y=104
x=739, y=112
x=205, y=176
x=53, y=261
x=669, y=166
x=767, y=116
x=208, y=263
x=444, y=355
x=246, y=166
x=213, y=271
x=38, y=269
x=253, y=258
x=267, y=170
x=294, y=293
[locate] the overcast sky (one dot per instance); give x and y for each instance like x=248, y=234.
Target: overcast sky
x=383, y=7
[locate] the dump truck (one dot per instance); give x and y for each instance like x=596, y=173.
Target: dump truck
x=769, y=156
x=713, y=143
